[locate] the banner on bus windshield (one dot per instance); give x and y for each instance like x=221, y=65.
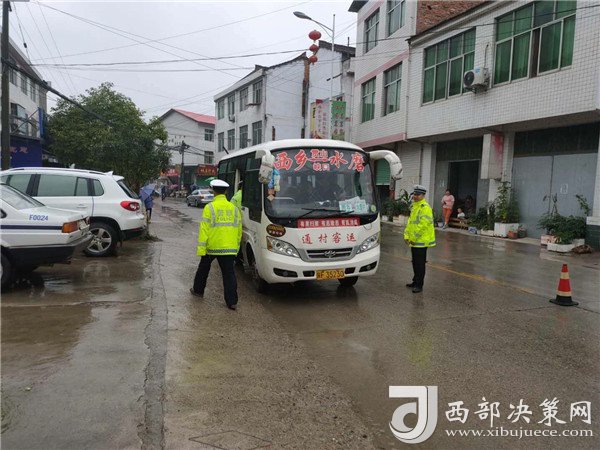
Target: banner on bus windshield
x=320, y=160
x=329, y=222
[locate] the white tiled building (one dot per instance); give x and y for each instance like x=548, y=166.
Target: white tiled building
x=196, y=130
x=536, y=123
x=273, y=103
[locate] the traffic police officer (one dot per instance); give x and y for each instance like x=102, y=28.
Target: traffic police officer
x=219, y=236
x=420, y=235
x=237, y=197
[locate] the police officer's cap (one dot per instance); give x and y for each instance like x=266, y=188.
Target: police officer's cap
x=219, y=184
x=418, y=189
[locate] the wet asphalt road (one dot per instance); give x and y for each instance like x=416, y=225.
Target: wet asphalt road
x=115, y=353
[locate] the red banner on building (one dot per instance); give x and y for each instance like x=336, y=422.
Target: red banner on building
x=329, y=222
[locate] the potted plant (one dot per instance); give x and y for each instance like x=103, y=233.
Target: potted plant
x=547, y=223
x=402, y=208
x=387, y=210
x=566, y=233
x=507, y=211
x=484, y=220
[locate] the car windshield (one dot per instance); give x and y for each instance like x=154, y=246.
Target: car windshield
x=17, y=199
x=316, y=182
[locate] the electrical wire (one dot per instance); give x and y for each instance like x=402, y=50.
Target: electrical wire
x=56, y=46
x=62, y=76
x=182, y=34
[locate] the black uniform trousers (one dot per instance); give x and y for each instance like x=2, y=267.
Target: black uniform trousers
x=226, y=263
x=419, y=258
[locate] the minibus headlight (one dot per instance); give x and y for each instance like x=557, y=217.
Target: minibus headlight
x=369, y=243
x=281, y=247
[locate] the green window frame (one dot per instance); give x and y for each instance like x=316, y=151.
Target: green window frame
x=220, y=142
x=444, y=65
x=244, y=136
x=257, y=92
x=220, y=109
x=231, y=139
x=534, y=39
x=392, y=81
x=371, y=31
x=256, y=133
x=231, y=104
x=395, y=15
x=243, y=99
x=368, y=100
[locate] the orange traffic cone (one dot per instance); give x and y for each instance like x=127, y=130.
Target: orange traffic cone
x=563, y=294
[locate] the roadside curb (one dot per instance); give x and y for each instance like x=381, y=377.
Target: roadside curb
x=522, y=241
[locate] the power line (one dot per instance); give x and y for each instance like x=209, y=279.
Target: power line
x=164, y=61
x=66, y=84
x=181, y=34
x=56, y=46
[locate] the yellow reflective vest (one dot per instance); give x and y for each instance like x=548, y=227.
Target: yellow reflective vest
x=237, y=199
x=220, y=230
x=419, y=231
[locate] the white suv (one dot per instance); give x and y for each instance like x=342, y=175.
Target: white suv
x=116, y=212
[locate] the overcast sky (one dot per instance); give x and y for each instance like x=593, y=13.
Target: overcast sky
x=213, y=29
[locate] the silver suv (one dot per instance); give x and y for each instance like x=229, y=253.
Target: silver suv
x=116, y=212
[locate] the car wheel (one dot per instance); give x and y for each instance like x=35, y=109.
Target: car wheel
x=188, y=203
x=260, y=285
x=348, y=281
x=104, y=240
x=7, y=272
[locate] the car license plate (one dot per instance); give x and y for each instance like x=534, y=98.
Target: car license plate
x=332, y=274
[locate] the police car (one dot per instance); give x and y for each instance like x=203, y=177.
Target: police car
x=32, y=234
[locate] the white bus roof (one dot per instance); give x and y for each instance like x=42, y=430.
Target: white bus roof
x=291, y=143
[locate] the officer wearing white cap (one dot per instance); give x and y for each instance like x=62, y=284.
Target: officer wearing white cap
x=420, y=235
x=219, y=237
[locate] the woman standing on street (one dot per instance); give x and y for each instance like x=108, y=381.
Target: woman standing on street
x=447, y=206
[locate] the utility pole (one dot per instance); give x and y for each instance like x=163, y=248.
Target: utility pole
x=5, y=89
x=182, y=149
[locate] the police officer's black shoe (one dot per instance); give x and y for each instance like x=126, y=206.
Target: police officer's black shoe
x=410, y=285
x=417, y=289
x=193, y=292
x=232, y=307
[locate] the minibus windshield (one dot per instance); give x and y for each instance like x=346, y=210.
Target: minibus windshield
x=320, y=182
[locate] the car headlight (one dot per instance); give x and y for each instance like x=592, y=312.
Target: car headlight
x=369, y=243
x=281, y=247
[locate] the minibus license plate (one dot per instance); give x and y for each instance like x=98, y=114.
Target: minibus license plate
x=332, y=274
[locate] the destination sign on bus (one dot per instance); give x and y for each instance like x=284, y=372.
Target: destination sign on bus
x=321, y=160
x=329, y=222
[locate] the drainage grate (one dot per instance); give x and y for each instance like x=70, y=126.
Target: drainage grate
x=231, y=440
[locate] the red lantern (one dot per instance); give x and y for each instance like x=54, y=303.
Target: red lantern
x=313, y=59
x=314, y=35
x=314, y=48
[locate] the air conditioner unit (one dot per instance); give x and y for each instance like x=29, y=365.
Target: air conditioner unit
x=476, y=79
x=232, y=117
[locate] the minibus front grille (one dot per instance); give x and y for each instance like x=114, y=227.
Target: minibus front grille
x=330, y=254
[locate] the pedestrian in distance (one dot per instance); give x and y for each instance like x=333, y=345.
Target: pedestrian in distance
x=219, y=236
x=419, y=234
x=447, y=206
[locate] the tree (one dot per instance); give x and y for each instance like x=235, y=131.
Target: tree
x=127, y=145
